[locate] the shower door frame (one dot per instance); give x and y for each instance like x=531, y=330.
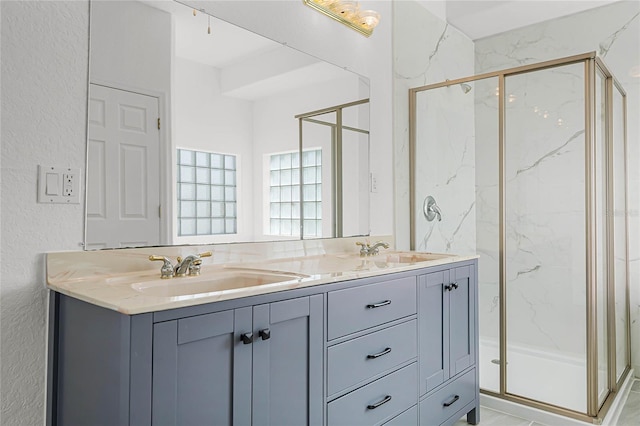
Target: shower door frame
x=592, y=65
x=337, y=129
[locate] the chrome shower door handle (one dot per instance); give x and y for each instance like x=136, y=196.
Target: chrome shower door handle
x=431, y=209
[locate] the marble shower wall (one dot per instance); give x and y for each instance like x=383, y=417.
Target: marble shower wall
x=427, y=50
x=614, y=32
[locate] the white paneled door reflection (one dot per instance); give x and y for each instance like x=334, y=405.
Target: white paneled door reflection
x=123, y=194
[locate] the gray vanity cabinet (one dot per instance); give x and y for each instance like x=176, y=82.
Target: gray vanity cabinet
x=288, y=365
x=201, y=370
x=259, y=365
x=397, y=349
x=447, y=329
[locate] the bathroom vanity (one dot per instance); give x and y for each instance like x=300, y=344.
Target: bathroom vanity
x=391, y=340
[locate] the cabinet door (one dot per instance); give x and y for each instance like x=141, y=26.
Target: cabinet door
x=202, y=370
x=461, y=320
x=287, y=367
x=433, y=330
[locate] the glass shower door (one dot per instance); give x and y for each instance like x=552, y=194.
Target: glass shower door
x=620, y=232
x=545, y=236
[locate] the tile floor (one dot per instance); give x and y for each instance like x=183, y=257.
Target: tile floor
x=631, y=412
x=630, y=415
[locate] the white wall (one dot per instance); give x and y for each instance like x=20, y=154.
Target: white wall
x=130, y=45
x=613, y=32
x=44, y=95
x=44, y=90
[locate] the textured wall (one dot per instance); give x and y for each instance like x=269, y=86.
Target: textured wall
x=44, y=83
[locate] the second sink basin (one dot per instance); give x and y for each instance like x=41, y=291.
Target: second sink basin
x=413, y=257
x=214, y=281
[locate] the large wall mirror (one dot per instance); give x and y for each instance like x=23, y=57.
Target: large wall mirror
x=203, y=132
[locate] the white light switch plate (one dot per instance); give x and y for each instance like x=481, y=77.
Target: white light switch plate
x=59, y=185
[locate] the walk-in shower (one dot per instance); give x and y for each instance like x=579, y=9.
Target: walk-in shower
x=528, y=166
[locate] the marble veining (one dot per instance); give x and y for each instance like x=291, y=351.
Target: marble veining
x=428, y=50
x=606, y=44
x=553, y=153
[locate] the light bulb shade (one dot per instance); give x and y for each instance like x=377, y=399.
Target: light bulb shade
x=348, y=13
x=369, y=18
x=346, y=8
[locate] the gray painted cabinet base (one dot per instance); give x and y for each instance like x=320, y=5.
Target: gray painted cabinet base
x=399, y=349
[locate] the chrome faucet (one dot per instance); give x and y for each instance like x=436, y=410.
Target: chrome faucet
x=367, y=250
x=191, y=264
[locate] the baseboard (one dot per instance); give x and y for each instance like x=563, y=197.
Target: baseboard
x=551, y=419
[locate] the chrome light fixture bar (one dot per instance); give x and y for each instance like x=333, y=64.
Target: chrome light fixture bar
x=348, y=13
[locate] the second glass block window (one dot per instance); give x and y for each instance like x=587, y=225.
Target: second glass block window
x=207, y=203
x=285, y=206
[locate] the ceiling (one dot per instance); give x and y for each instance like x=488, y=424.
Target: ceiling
x=257, y=66
x=483, y=18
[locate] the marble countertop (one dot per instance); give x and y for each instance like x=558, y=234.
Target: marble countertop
x=125, y=281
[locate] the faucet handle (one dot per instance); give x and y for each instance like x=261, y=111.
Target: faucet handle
x=167, y=268
x=364, y=250
x=206, y=254
x=194, y=268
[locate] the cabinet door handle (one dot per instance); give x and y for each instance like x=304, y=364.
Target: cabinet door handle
x=455, y=398
x=450, y=287
x=265, y=334
x=379, y=403
x=379, y=354
x=246, y=338
x=379, y=304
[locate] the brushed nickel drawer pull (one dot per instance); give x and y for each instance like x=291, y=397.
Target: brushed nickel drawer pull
x=455, y=398
x=379, y=304
x=379, y=354
x=377, y=404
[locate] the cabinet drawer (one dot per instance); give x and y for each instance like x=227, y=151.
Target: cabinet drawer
x=408, y=418
x=456, y=395
x=351, y=362
x=363, y=307
x=366, y=405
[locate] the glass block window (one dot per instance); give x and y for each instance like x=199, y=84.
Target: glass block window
x=285, y=205
x=207, y=202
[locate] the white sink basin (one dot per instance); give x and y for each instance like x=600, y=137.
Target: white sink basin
x=214, y=281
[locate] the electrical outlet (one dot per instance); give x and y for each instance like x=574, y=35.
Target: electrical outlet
x=68, y=184
x=58, y=185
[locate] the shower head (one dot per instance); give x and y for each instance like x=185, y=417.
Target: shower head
x=465, y=87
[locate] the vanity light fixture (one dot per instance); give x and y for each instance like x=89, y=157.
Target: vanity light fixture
x=347, y=12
